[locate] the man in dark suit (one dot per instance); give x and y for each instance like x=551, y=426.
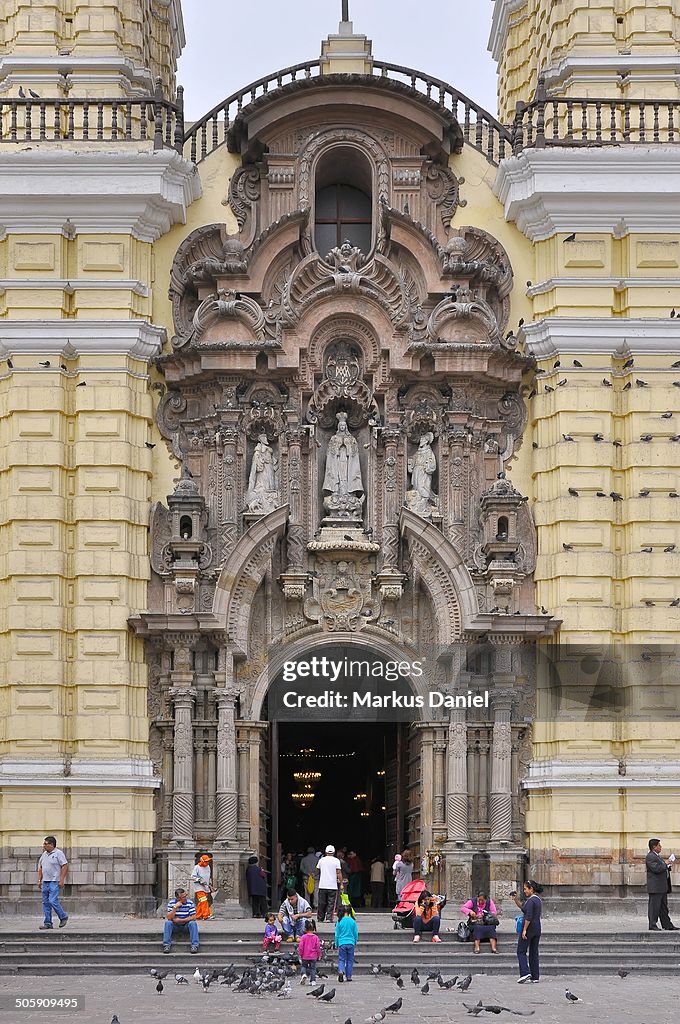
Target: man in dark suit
x=658, y=887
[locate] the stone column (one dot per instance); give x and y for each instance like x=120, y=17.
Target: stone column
x=227, y=793
x=243, y=824
x=391, y=499
x=426, y=785
x=456, y=782
x=439, y=802
x=183, y=766
x=501, y=767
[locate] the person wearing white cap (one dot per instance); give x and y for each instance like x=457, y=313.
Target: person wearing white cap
x=330, y=880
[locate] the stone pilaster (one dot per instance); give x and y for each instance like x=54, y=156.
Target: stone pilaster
x=227, y=793
x=501, y=767
x=183, y=766
x=456, y=780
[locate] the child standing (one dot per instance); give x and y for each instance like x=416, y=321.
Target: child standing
x=309, y=951
x=271, y=934
x=346, y=937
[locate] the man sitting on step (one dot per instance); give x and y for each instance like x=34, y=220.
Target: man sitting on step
x=181, y=915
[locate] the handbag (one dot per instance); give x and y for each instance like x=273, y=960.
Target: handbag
x=463, y=932
x=489, y=918
x=519, y=923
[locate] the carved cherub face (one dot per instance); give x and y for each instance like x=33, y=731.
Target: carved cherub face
x=263, y=439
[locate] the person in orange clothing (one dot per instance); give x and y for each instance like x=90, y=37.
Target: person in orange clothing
x=200, y=878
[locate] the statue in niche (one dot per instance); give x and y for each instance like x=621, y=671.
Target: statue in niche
x=421, y=498
x=262, y=495
x=342, y=482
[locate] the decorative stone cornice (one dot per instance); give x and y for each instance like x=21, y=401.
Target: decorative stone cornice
x=617, y=189
x=130, y=191
x=119, y=773
x=608, y=67
x=616, y=336
x=69, y=338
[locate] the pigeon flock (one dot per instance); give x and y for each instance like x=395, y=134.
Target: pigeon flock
x=270, y=976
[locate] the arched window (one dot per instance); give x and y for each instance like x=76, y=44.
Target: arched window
x=186, y=527
x=343, y=201
x=502, y=528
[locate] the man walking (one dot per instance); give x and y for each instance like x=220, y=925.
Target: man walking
x=658, y=887
x=330, y=880
x=52, y=870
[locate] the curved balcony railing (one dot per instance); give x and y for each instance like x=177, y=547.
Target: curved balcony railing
x=480, y=129
x=43, y=119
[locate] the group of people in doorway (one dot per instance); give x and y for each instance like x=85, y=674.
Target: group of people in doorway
x=366, y=883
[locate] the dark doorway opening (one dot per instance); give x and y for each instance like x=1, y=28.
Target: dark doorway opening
x=338, y=784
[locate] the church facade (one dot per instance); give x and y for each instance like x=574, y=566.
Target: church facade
x=348, y=364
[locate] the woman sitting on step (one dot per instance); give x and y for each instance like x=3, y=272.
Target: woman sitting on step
x=426, y=915
x=482, y=917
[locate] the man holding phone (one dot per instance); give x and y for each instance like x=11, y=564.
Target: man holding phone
x=658, y=887
x=181, y=914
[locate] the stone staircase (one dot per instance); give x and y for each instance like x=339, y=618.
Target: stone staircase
x=127, y=952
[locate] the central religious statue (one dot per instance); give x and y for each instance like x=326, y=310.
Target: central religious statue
x=342, y=482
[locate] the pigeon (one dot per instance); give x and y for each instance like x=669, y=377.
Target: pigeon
x=571, y=997
x=675, y=603
x=675, y=365
x=10, y=364
x=573, y=492
x=396, y=1006
x=598, y=437
x=676, y=383
x=521, y=322
x=576, y=363
x=161, y=975
x=433, y=975
x=562, y=382
x=316, y=992
x=556, y=364
x=641, y=383
x=400, y=983
x=646, y=438
x=615, y=496
x=673, y=494
x=394, y=973
x=606, y=383
x=34, y=94
x=206, y=979
x=159, y=987
x=327, y=996
x=672, y=313
x=567, y=437
x=668, y=548
x=627, y=387
x=570, y=238
x=148, y=444
x=664, y=415
x=451, y=982
x=440, y=981
x=649, y=604
x=534, y=445
x=623, y=974
x=181, y=980
x=114, y=1019
x=647, y=550
x=544, y=611
x=618, y=444
x=82, y=384
x=375, y=969
x=426, y=989
x=22, y=94
x=47, y=363
x=465, y=983
x=548, y=389
x=675, y=437
x=568, y=547
x=493, y=1008
x=376, y=1018
x=600, y=494
x=628, y=363
x=644, y=493
x=415, y=978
